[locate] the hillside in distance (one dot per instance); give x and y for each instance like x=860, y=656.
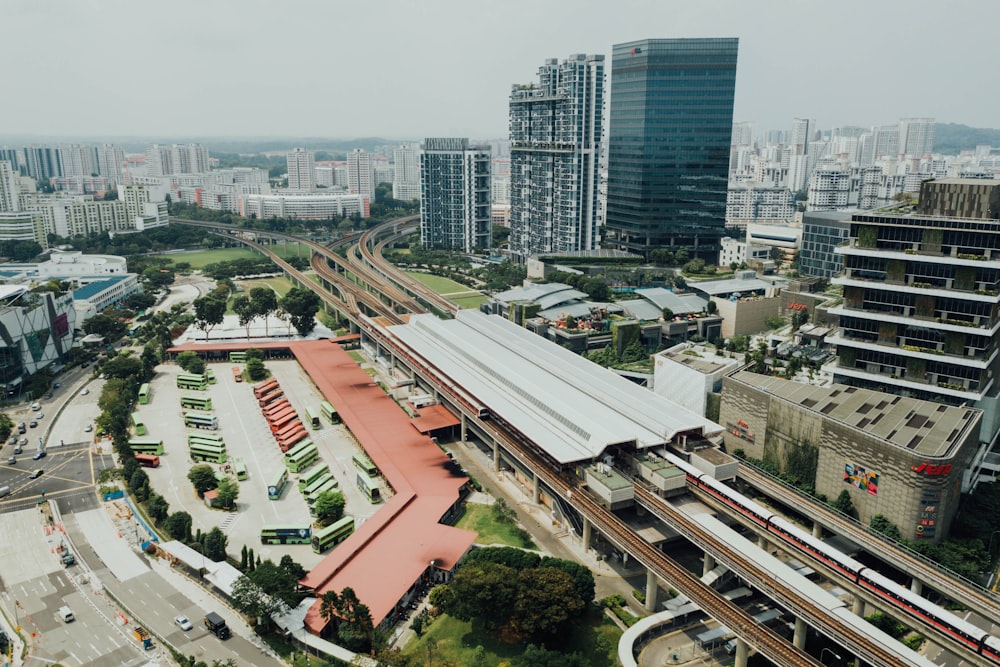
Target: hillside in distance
x=953, y=138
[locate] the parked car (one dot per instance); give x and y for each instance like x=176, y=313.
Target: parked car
x=88, y=428
x=36, y=406
x=35, y=475
x=39, y=415
x=183, y=623
x=55, y=385
x=12, y=440
x=32, y=424
x=85, y=392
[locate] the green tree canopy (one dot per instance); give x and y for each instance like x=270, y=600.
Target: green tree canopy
x=202, y=478
x=208, y=313
x=178, y=525
x=301, y=306
x=215, y=544
x=329, y=507
x=264, y=302
x=244, y=310
x=229, y=491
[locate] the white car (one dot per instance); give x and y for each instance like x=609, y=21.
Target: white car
x=39, y=415
x=183, y=623
x=85, y=392
x=88, y=428
x=36, y=406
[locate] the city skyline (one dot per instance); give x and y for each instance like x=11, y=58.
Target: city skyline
x=174, y=73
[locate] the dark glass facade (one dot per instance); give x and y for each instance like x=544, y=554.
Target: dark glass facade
x=668, y=148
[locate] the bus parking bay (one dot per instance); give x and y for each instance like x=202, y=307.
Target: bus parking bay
x=248, y=437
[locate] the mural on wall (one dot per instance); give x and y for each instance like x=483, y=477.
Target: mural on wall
x=858, y=476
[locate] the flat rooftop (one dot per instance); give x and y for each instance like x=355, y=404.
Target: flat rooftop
x=924, y=427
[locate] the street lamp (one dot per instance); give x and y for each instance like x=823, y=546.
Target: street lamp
x=825, y=650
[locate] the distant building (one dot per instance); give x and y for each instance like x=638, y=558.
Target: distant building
x=360, y=173
x=176, y=159
x=43, y=162
x=301, y=170
x=9, y=191
x=916, y=136
x=406, y=172
x=822, y=232
x=455, y=194
x=313, y=206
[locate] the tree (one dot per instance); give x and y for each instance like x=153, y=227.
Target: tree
x=502, y=512
x=842, y=503
x=255, y=369
x=597, y=289
x=250, y=599
x=208, y=312
x=518, y=559
x=178, y=525
x=583, y=578
x=301, y=306
x=137, y=480
x=202, y=478
x=288, y=564
x=711, y=307
x=122, y=366
x=244, y=310
x=486, y=591
x=276, y=581
x=880, y=524
x=265, y=302
x=215, y=544
x=104, y=325
x=229, y=491
x=191, y=362
x=139, y=301
x=149, y=360
x=329, y=507
x=546, y=600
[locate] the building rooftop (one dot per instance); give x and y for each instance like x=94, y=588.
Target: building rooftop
x=730, y=286
x=95, y=288
x=679, y=304
x=546, y=295
x=704, y=365
x=924, y=427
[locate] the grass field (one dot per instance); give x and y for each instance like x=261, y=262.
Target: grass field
x=199, y=258
x=465, y=297
x=595, y=637
x=280, y=284
x=286, y=250
x=480, y=519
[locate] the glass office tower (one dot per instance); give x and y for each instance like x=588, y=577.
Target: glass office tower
x=668, y=148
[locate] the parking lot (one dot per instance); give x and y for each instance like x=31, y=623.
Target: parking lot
x=246, y=435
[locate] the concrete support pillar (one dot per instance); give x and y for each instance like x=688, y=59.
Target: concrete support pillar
x=799, y=636
x=465, y=428
x=762, y=542
x=817, y=530
x=496, y=456
x=650, y=591
x=742, y=651
x=352, y=327
x=535, y=488
x=916, y=586
x=708, y=563
x=587, y=528
x=858, y=606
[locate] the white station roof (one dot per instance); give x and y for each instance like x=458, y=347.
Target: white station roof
x=568, y=406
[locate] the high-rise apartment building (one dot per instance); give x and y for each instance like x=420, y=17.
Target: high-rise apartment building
x=176, y=159
x=406, y=172
x=301, y=170
x=668, y=148
x=916, y=136
x=556, y=128
x=454, y=194
x=110, y=158
x=43, y=162
x=360, y=173
x=8, y=188
x=886, y=141
x=10, y=155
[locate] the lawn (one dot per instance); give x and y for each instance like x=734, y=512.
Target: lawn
x=465, y=297
x=479, y=518
x=199, y=258
x=280, y=284
x=286, y=250
x=595, y=637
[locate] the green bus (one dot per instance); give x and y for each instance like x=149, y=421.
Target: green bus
x=364, y=464
x=207, y=422
x=196, y=403
x=140, y=428
x=332, y=535
x=301, y=457
x=210, y=375
x=240, y=468
x=370, y=488
x=238, y=357
x=311, y=475
x=277, y=485
x=316, y=483
x=327, y=410
x=328, y=485
x=144, y=393
x=146, y=446
x=312, y=418
x=272, y=534
x=207, y=438
x=203, y=451
x=192, y=381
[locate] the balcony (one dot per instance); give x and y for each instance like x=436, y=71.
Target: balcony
x=923, y=387
x=981, y=291
x=976, y=360
x=947, y=254
x=902, y=314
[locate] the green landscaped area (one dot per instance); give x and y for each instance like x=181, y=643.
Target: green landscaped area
x=595, y=637
x=198, y=259
x=479, y=518
x=279, y=284
x=464, y=297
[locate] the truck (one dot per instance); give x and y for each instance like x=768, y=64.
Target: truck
x=142, y=636
x=217, y=625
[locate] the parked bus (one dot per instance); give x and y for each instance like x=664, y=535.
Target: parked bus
x=329, y=537
x=284, y=420
x=364, y=464
x=278, y=414
x=263, y=387
x=148, y=460
x=273, y=534
x=196, y=403
x=288, y=442
x=369, y=487
x=240, y=469
x=289, y=428
x=276, y=407
x=207, y=422
x=313, y=418
x=277, y=484
x=208, y=452
x=238, y=357
x=210, y=375
x=300, y=458
x=311, y=498
x=140, y=428
x=270, y=397
x=209, y=438
x=146, y=446
x=327, y=410
x=312, y=475
x=144, y=393
x=192, y=381
x=317, y=483
x=237, y=374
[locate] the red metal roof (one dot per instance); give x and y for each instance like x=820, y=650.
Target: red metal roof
x=434, y=417
x=388, y=552
x=259, y=345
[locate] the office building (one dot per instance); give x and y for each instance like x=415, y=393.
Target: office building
x=360, y=173
x=668, y=149
x=301, y=170
x=556, y=129
x=406, y=172
x=454, y=194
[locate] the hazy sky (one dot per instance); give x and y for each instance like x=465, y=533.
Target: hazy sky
x=411, y=69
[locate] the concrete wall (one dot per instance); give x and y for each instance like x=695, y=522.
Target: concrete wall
x=740, y=318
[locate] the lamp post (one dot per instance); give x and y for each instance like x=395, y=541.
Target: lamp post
x=830, y=650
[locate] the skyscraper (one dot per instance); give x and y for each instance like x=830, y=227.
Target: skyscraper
x=301, y=170
x=360, y=174
x=555, y=146
x=43, y=162
x=916, y=136
x=8, y=187
x=454, y=194
x=406, y=172
x=668, y=149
